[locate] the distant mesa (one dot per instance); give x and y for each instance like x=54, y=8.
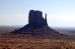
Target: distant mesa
x=37, y=25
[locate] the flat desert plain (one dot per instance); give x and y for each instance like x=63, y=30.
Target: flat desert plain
x=22, y=41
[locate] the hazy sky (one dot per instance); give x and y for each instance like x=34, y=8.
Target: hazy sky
x=61, y=13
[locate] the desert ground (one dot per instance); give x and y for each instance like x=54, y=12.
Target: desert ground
x=28, y=42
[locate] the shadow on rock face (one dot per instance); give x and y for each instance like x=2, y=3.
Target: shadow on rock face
x=37, y=25
x=35, y=20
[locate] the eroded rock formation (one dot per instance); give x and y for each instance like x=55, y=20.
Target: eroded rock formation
x=36, y=18
x=37, y=25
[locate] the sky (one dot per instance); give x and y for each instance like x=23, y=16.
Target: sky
x=60, y=13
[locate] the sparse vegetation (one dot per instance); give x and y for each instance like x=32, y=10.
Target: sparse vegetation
x=24, y=42
x=18, y=43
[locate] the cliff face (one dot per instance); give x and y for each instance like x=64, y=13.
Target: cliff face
x=36, y=19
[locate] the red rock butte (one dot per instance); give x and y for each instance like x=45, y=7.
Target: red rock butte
x=37, y=26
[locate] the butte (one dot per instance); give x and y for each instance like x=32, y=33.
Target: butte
x=38, y=25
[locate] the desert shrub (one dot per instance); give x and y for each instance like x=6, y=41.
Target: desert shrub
x=57, y=48
x=67, y=48
x=3, y=48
